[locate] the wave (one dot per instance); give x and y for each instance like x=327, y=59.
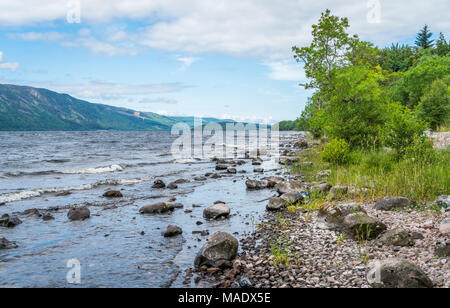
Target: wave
x=27, y=194
x=112, y=168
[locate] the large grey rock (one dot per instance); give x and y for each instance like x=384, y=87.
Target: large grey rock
x=336, y=213
x=216, y=211
x=444, y=227
x=292, y=198
x=443, y=202
x=159, y=184
x=273, y=180
x=301, y=144
x=9, y=222
x=221, y=167
x=157, y=208
x=172, y=231
x=397, y=273
x=276, y=204
x=320, y=188
x=220, y=249
x=253, y=184
x=32, y=212
x=5, y=244
x=113, y=194
x=172, y=185
x=396, y=237
x=79, y=213
x=363, y=227
x=337, y=192
x=389, y=203
x=257, y=161
x=288, y=187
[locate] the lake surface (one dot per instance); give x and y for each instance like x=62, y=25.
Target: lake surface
x=116, y=247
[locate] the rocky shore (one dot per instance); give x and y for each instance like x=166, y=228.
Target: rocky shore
x=383, y=243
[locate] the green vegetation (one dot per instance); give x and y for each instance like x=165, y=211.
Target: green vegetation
x=375, y=106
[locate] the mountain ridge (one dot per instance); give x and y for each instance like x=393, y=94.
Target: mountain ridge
x=25, y=108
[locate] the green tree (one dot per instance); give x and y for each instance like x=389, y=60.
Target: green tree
x=442, y=46
x=423, y=38
x=398, y=58
x=327, y=51
x=411, y=87
x=434, y=107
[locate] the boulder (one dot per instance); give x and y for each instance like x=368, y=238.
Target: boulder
x=397, y=273
x=172, y=185
x=258, y=170
x=444, y=227
x=306, y=164
x=200, y=178
x=253, y=184
x=79, y=213
x=47, y=217
x=216, y=211
x=172, y=231
x=5, y=244
x=232, y=170
x=292, y=198
x=9, y=222
x=301, y=144
x=389, y=203
x=113, y=194
x=287, y=187
x=220, y=167
x=443, y=202
x=32, y=212
x=288, y=160
x=2, y=203
x=159, y=184
x=257, y=161
x=220, y=249
x=442, y=248
x=321, y=188
x=181, y=181
x=215, y=176
x=157, y=208
x=276, y=204
x=363, y=227
x=337, y=213
x=396, y=237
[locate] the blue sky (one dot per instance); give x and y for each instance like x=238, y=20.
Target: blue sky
x=221, y=58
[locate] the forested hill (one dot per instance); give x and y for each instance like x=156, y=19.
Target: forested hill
x=25, y=108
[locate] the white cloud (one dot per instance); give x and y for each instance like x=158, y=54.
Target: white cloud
x=12, y=66
x=186, y=61
x=286, y=70
x=111, y=91
x=159, y=100
x=37, y=36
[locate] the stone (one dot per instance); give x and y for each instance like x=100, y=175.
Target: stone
x=157, y=208
x=276, y=204
x=172, y=185
x=220, y=249
x=397, y=273
x=302, y=144
x=9, y=222
x=396, y=237
x=172, y=231
x=444, y=227
x=257, y=161
x=306, y=164
x=389, y=203
x=442, y=248
x=181, y=181
x=79, y=213
x=232, y=170
x=292, y=198
x=159, y=184
x=47, y=217
x=113, y=194
x=5, y=244
x=321, y=188
x=258, y=170
x=64, y=194
x=287, y=187
x=253, y=184
x=200, y=178
x=337, y=192
x=337, y=213
x=32, y=212
x=363, y=227
x=216, y=211
x=443, y=202
x=220, y=167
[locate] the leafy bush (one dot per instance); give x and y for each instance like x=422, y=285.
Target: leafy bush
x=402, y=129
x=337, y=152
x=434, y=107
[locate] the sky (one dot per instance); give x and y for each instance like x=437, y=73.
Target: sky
x=216, y=58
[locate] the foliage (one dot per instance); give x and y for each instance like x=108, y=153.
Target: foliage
x=398, y=58
x=442, y=46
x=336, y=152
x=434, y=107
x=357, y=108
x=401, y=129
x=423, y=38
x=410, y=89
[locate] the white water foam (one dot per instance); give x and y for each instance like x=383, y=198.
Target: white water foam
x=112, y=168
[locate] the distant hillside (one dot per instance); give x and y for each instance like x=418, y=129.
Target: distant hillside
x=25, y=108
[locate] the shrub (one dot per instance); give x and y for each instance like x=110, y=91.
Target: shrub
x=337, y=152
x=434, y=107
x=402, y=129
